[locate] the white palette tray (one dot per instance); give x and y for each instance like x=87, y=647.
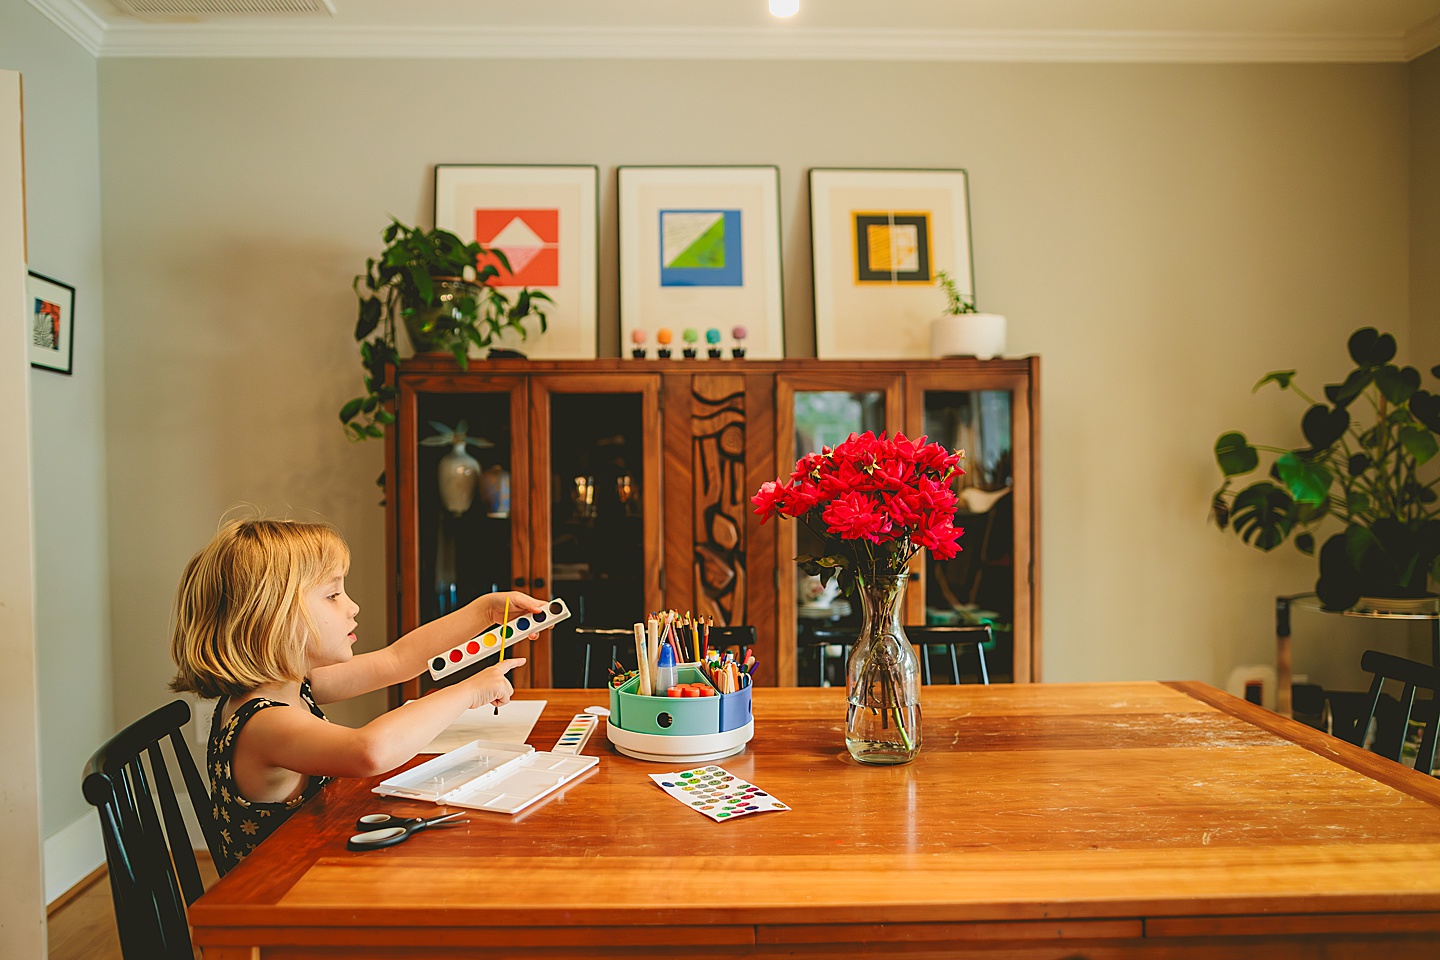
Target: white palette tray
x=485, y=775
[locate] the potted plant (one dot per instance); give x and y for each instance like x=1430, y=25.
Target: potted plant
x=428, y=280
x=962, y=332
x=1360, y=468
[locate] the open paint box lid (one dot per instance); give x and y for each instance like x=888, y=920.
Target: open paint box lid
x=485, y=775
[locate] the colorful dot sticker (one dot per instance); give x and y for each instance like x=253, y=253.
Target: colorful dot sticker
x=717, y=793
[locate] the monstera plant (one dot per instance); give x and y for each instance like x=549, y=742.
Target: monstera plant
x=1362, y=470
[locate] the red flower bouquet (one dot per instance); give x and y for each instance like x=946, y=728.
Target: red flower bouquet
x=874, y=501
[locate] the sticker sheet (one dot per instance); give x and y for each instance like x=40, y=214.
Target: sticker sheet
x=717, y=793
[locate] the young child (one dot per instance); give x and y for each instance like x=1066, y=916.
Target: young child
x=262, y=622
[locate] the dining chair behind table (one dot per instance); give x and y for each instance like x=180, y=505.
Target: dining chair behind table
x=975, y=636
x=735, y=639
x=1415, y=676
x=611, y=643
x=153, y=872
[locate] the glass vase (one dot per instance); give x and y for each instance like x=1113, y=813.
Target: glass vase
x=882, y=677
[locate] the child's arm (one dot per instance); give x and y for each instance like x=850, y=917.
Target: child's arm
x=412, y=653
x=295, y=739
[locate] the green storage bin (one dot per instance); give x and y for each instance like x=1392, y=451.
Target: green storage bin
x=665, y=716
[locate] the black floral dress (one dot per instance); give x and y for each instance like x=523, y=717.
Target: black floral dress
x=244, y=823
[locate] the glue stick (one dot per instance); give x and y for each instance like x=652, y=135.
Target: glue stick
x=665, y=670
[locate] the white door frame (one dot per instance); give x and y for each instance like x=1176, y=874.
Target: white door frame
x=22, y=884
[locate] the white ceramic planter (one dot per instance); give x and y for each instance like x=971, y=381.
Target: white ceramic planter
x=980, y=335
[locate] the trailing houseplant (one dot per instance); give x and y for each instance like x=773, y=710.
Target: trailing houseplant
x=874, y=502
x=427, y=279
x=1360, y=469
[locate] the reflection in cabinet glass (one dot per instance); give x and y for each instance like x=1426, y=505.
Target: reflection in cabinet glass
x=978, y=585
x=597, y=548
x=824, y=620
x=464, y=554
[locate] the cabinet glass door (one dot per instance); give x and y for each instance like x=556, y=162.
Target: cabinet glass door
x=989, y=580
x=467, y=537
x=597, y=516
x=816, y=623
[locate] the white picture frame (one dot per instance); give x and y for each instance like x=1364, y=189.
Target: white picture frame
x=700, y=249
x=546, y=219
x=877, y=240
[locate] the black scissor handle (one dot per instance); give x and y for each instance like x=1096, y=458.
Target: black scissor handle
x=374, y=839
x=380, y=821
x=400, y=829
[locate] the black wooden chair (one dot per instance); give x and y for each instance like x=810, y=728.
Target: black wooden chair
x=153, y=872
x=728, y=638
x=975, y=636
x=1415, y=676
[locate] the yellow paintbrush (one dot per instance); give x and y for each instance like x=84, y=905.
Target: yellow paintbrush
x=501, y=655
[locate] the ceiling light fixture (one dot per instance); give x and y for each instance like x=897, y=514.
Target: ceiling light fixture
x=784, y=8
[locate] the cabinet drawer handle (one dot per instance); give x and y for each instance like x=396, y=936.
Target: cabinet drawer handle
x=519, y=581
x=539, y=582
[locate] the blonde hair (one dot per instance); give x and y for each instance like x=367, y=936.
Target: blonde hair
x=240, y=619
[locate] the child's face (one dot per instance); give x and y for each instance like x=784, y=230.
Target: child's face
x=333, y=613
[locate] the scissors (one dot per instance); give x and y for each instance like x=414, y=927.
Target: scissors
x=385, y=830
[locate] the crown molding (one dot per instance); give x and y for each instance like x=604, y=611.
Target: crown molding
x=230, y=38
x=1422, y=38
x=77, y=21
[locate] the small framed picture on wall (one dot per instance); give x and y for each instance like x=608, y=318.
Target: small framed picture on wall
x=51, y=307
x=545, y=220
x=878, y=239
x=700, y=251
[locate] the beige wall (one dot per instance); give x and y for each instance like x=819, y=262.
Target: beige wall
x=22, y=913
x=1425, y=243
x=1425, y=209
x=62, y=185
x=1160, y=235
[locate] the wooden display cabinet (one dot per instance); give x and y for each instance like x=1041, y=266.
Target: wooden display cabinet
x=630, y=485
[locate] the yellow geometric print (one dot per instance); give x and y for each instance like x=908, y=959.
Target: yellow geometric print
x=893, y=247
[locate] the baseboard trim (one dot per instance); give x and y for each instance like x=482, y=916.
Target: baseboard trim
x=94, y=877
x=64, y=900
x=72, y=855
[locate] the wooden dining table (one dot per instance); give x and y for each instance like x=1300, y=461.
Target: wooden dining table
x=1106, y=820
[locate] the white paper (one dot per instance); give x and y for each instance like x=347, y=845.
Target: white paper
x=513, y=725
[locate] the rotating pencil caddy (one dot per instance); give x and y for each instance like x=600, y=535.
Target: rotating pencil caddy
x=686, y=729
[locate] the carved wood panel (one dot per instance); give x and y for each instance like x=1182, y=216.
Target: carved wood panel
x=720, y=497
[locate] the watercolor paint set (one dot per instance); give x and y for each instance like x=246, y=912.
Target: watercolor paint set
x=493, y=640
x=717, y=793
x=486, y=775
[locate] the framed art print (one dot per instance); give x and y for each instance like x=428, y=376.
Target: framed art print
x=544, y=219
x=700, y=249
x=51, y=306
x=878, y=238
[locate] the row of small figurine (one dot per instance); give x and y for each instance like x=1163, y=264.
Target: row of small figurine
x=691, y=337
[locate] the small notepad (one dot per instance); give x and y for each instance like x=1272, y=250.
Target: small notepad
x=512, y=724
x=717, y=793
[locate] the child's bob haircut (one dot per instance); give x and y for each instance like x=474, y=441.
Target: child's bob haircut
x=240, y=619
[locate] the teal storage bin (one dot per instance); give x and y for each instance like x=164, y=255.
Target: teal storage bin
x=670, y=716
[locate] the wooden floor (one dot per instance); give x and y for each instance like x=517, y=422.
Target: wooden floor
x=83, y=928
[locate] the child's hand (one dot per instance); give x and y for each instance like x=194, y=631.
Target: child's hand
x=491, y=685
x=491, y=607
